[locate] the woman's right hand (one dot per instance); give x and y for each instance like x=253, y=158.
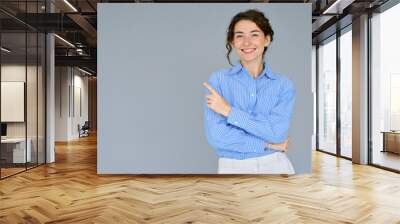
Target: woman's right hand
x=280, y=147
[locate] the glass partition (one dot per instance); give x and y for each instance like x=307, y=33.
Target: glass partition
x=13, y=110
x=41, y=107
x=22, y=77
x=31, y=100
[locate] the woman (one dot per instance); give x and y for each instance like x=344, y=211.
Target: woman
x=248, y=106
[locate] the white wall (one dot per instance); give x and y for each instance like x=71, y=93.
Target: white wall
x=80, y=110
x=61, y=103
x=70, y=83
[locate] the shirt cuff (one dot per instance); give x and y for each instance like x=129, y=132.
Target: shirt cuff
x=236, y=117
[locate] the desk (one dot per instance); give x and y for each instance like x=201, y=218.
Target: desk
x=15, y=148
x=391, y=141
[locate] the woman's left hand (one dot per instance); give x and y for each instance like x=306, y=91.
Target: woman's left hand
x=216, y=102
x=283, y=147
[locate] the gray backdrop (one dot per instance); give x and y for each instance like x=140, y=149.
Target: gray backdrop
x=152, y=60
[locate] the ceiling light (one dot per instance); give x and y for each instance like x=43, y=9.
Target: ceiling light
x=328, y=10
x=86, y=72
x=5, y=49
x=338, y=6
x=70, y=5
x=64, y=40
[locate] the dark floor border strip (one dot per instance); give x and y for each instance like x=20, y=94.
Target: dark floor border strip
x=333, y=154
x=371, y=164
x=29, y=168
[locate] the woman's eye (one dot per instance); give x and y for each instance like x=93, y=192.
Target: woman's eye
x=255, y=35
x=238, y=36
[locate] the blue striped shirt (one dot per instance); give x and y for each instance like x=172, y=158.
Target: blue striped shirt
x=261, y=112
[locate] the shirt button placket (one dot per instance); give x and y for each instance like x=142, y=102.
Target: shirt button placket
x=252, y=88
x=253, y=94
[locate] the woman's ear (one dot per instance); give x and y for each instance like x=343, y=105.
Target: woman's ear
x=267, y=40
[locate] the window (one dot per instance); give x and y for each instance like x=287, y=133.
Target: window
x=385, y=89
x=327, y=96
x=346, y=75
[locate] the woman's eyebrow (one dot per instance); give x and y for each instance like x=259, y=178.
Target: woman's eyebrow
x=253, y=31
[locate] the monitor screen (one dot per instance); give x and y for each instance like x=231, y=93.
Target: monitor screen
x=3, y=129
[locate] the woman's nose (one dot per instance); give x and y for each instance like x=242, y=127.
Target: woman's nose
x=246, y=40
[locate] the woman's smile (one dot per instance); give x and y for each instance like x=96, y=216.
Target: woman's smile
x=248, y=50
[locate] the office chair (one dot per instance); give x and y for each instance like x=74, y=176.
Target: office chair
x=84, y=130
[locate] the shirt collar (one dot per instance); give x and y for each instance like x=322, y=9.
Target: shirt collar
x=238, y=67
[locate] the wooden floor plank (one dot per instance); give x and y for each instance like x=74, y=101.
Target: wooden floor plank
x=70, y=191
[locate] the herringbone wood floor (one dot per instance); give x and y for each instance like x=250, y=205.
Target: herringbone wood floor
x=70, y=191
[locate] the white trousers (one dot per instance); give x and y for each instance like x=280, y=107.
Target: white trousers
x=275, y=163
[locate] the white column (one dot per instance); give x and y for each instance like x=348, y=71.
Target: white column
x=50, y=91
x=50, y=110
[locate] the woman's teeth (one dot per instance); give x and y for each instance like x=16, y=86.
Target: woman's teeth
x=248, y=50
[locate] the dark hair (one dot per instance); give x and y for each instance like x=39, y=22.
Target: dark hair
x=252, y=15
